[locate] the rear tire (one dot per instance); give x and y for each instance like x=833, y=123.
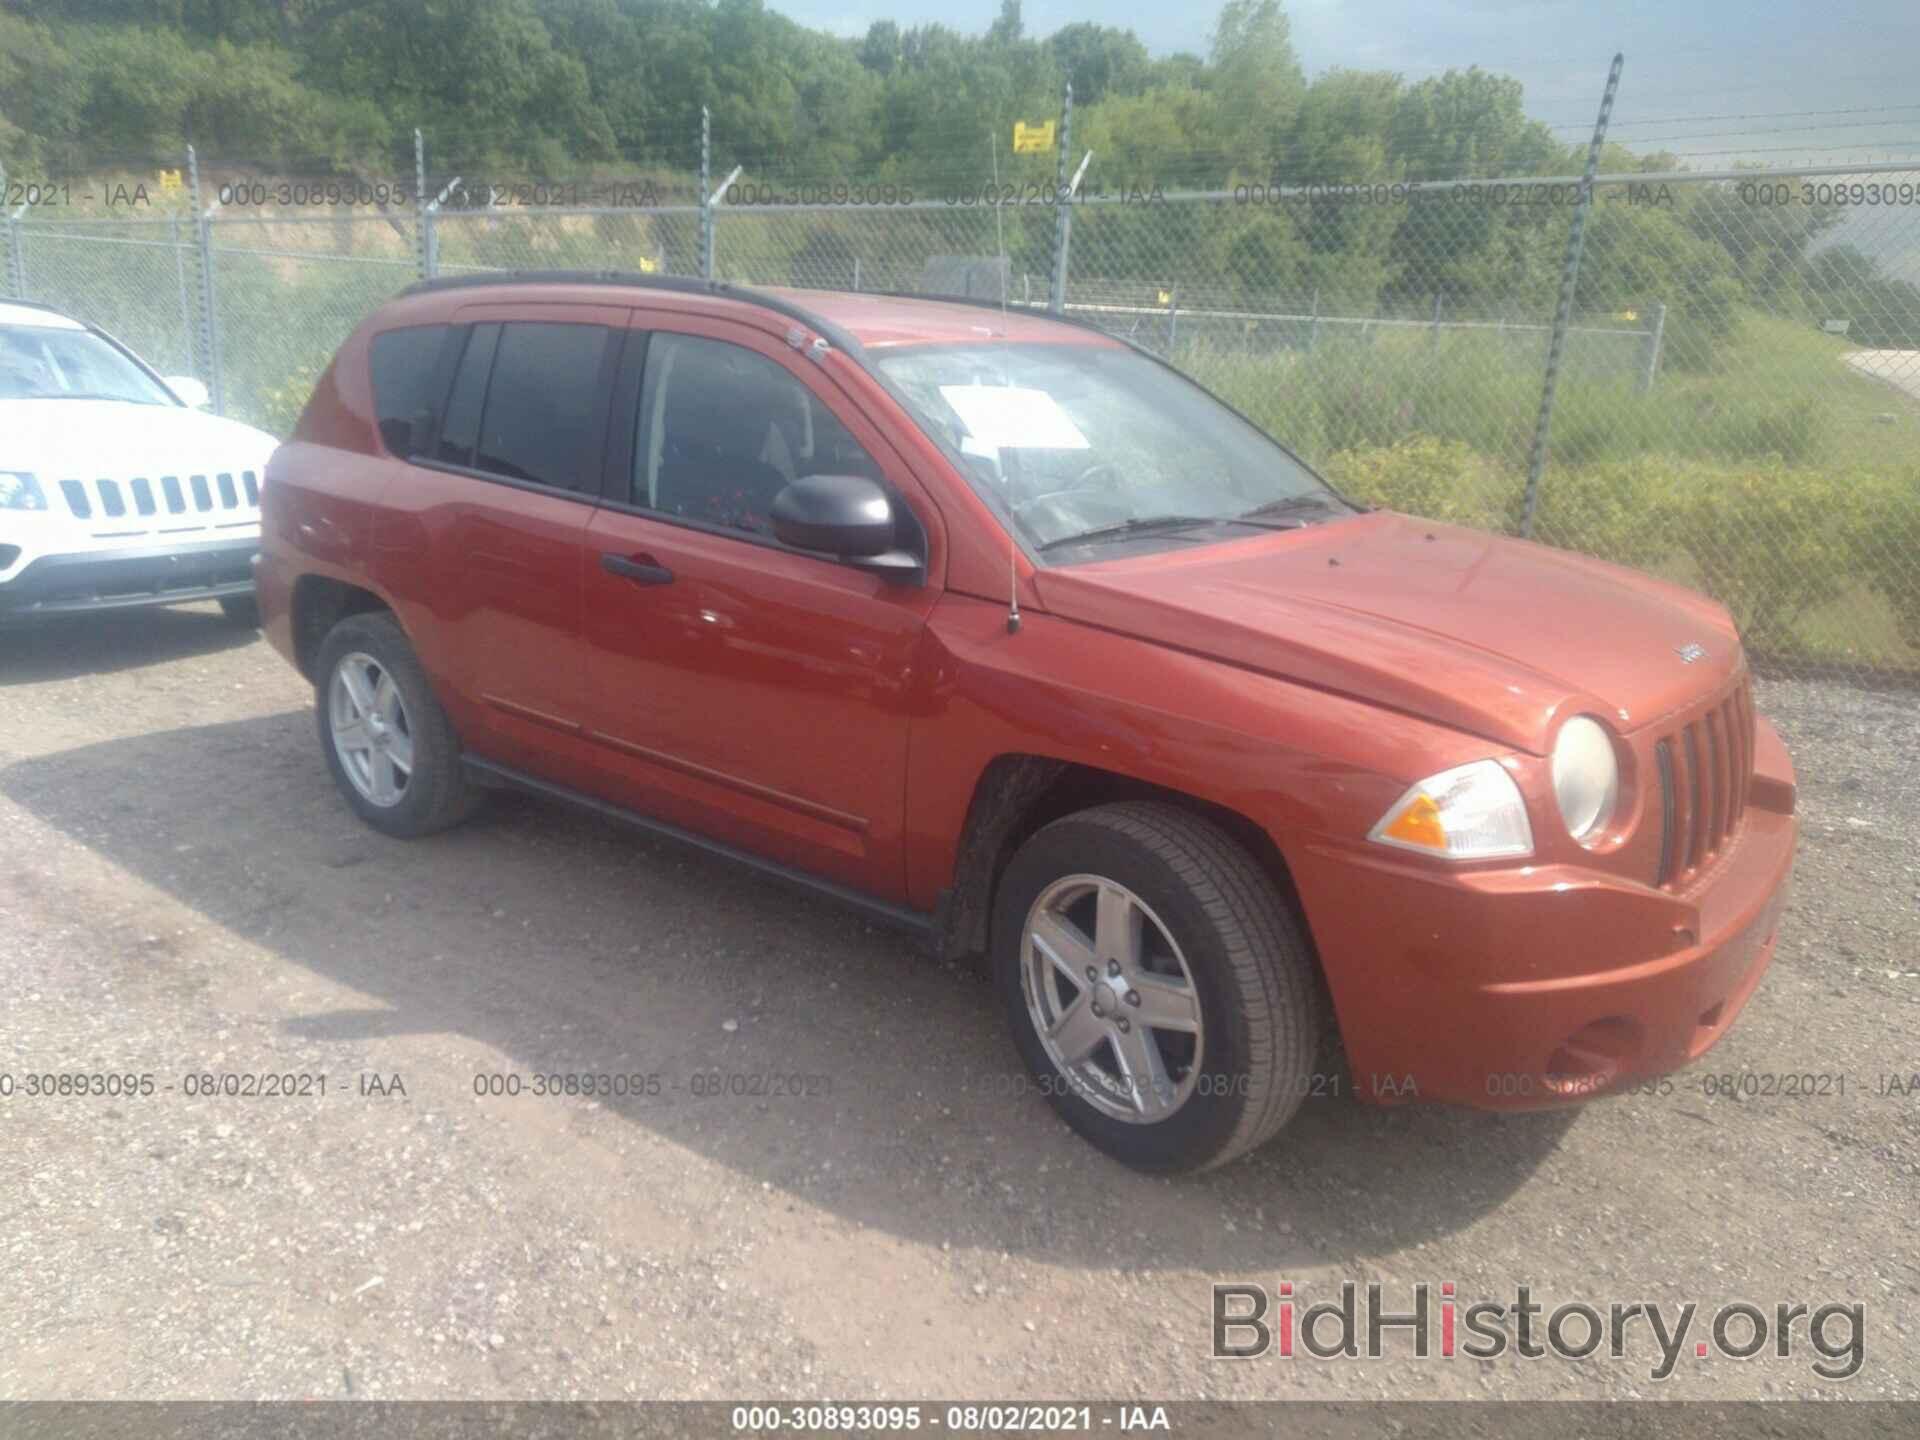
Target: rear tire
x=390, y=746
x=242, y=610
x=1164, y=922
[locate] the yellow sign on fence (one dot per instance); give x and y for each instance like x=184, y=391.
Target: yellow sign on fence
x=1032, y=139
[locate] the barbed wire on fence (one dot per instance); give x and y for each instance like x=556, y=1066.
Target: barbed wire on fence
x=1737, y=402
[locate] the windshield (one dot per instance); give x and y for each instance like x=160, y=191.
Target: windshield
x=1086, y=447
x=39, y=362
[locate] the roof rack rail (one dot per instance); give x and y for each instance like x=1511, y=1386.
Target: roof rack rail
x=569, y=277
x=726, y=289
x=676, y=284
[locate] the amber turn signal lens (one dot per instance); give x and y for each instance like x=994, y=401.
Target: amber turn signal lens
x=1471, y=812
x=1418, y=824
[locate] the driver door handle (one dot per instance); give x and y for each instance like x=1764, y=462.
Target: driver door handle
x=641, y=569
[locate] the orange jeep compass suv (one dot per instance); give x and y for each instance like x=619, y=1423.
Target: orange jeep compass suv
x=1002, y=630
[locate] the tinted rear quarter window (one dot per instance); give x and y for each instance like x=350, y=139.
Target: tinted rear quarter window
x=403, y=363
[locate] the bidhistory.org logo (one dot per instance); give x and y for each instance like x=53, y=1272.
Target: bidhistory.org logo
x=1437, y=1322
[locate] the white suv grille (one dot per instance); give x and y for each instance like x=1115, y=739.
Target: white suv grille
x=166, y=504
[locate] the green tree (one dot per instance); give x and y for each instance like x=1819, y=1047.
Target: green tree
x=1101, y=61
x=1256, y=76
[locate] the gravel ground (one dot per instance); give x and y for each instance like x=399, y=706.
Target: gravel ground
x=184, y=894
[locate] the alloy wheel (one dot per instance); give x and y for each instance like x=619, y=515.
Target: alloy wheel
x=371, y=731
x=1112, y=999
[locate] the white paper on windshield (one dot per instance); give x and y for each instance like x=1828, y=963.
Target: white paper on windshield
x=1013, y=418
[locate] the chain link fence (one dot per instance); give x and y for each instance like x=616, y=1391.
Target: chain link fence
x=137, y=279
x=1737, y=391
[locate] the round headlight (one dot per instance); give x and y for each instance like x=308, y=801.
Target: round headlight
x=1586, y=777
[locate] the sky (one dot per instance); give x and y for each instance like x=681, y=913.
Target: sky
x=1722, y=81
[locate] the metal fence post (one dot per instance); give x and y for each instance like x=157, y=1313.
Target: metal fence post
x=180, y=283
x=1650, y=364
x=1173, y=316
x=430, y=229
x=208, y=321
x=16, y=247
x=1569, y=275
x=422, y=216
x=1063, y=220
x=706, y=199
x=16, y=259
x=13, y=241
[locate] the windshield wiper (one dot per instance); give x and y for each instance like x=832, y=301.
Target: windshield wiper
x=1143, y=523
x=1291, y=504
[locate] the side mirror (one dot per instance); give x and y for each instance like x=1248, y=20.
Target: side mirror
x=846, y=516
x=187, y=390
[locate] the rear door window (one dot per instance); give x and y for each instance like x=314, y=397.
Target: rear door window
x=462, y=426
x=542, y=398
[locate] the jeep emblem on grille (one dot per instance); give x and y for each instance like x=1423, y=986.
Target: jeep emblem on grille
x=1690, y=652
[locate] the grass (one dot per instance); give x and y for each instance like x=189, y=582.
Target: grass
x=1776, y=388
x=1775, y=477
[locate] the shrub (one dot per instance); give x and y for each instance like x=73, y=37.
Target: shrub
x=1439, y=479
x=1769, y=541
x=1615, y=510
x=278, y=408
x=1887, y=540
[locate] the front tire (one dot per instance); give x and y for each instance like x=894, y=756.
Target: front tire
x=390, y=746
x=1158, y=985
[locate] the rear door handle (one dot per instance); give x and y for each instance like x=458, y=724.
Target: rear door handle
x=641, y=569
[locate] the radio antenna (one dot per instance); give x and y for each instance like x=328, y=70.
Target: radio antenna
x=1013, y=589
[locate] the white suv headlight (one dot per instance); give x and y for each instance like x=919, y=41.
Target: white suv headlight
x=1471, y=812
x=1586, y=777
x=20, y=491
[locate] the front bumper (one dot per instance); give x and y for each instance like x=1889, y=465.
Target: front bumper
x=90, y=581
x=1519, y=988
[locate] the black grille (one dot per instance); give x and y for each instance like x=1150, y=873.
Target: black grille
x=1705, y=769
x=1663, y=762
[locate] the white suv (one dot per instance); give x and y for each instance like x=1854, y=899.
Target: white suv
x=115, y=489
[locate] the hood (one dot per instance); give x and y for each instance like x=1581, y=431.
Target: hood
x=85, y=439
x=1490, y=635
